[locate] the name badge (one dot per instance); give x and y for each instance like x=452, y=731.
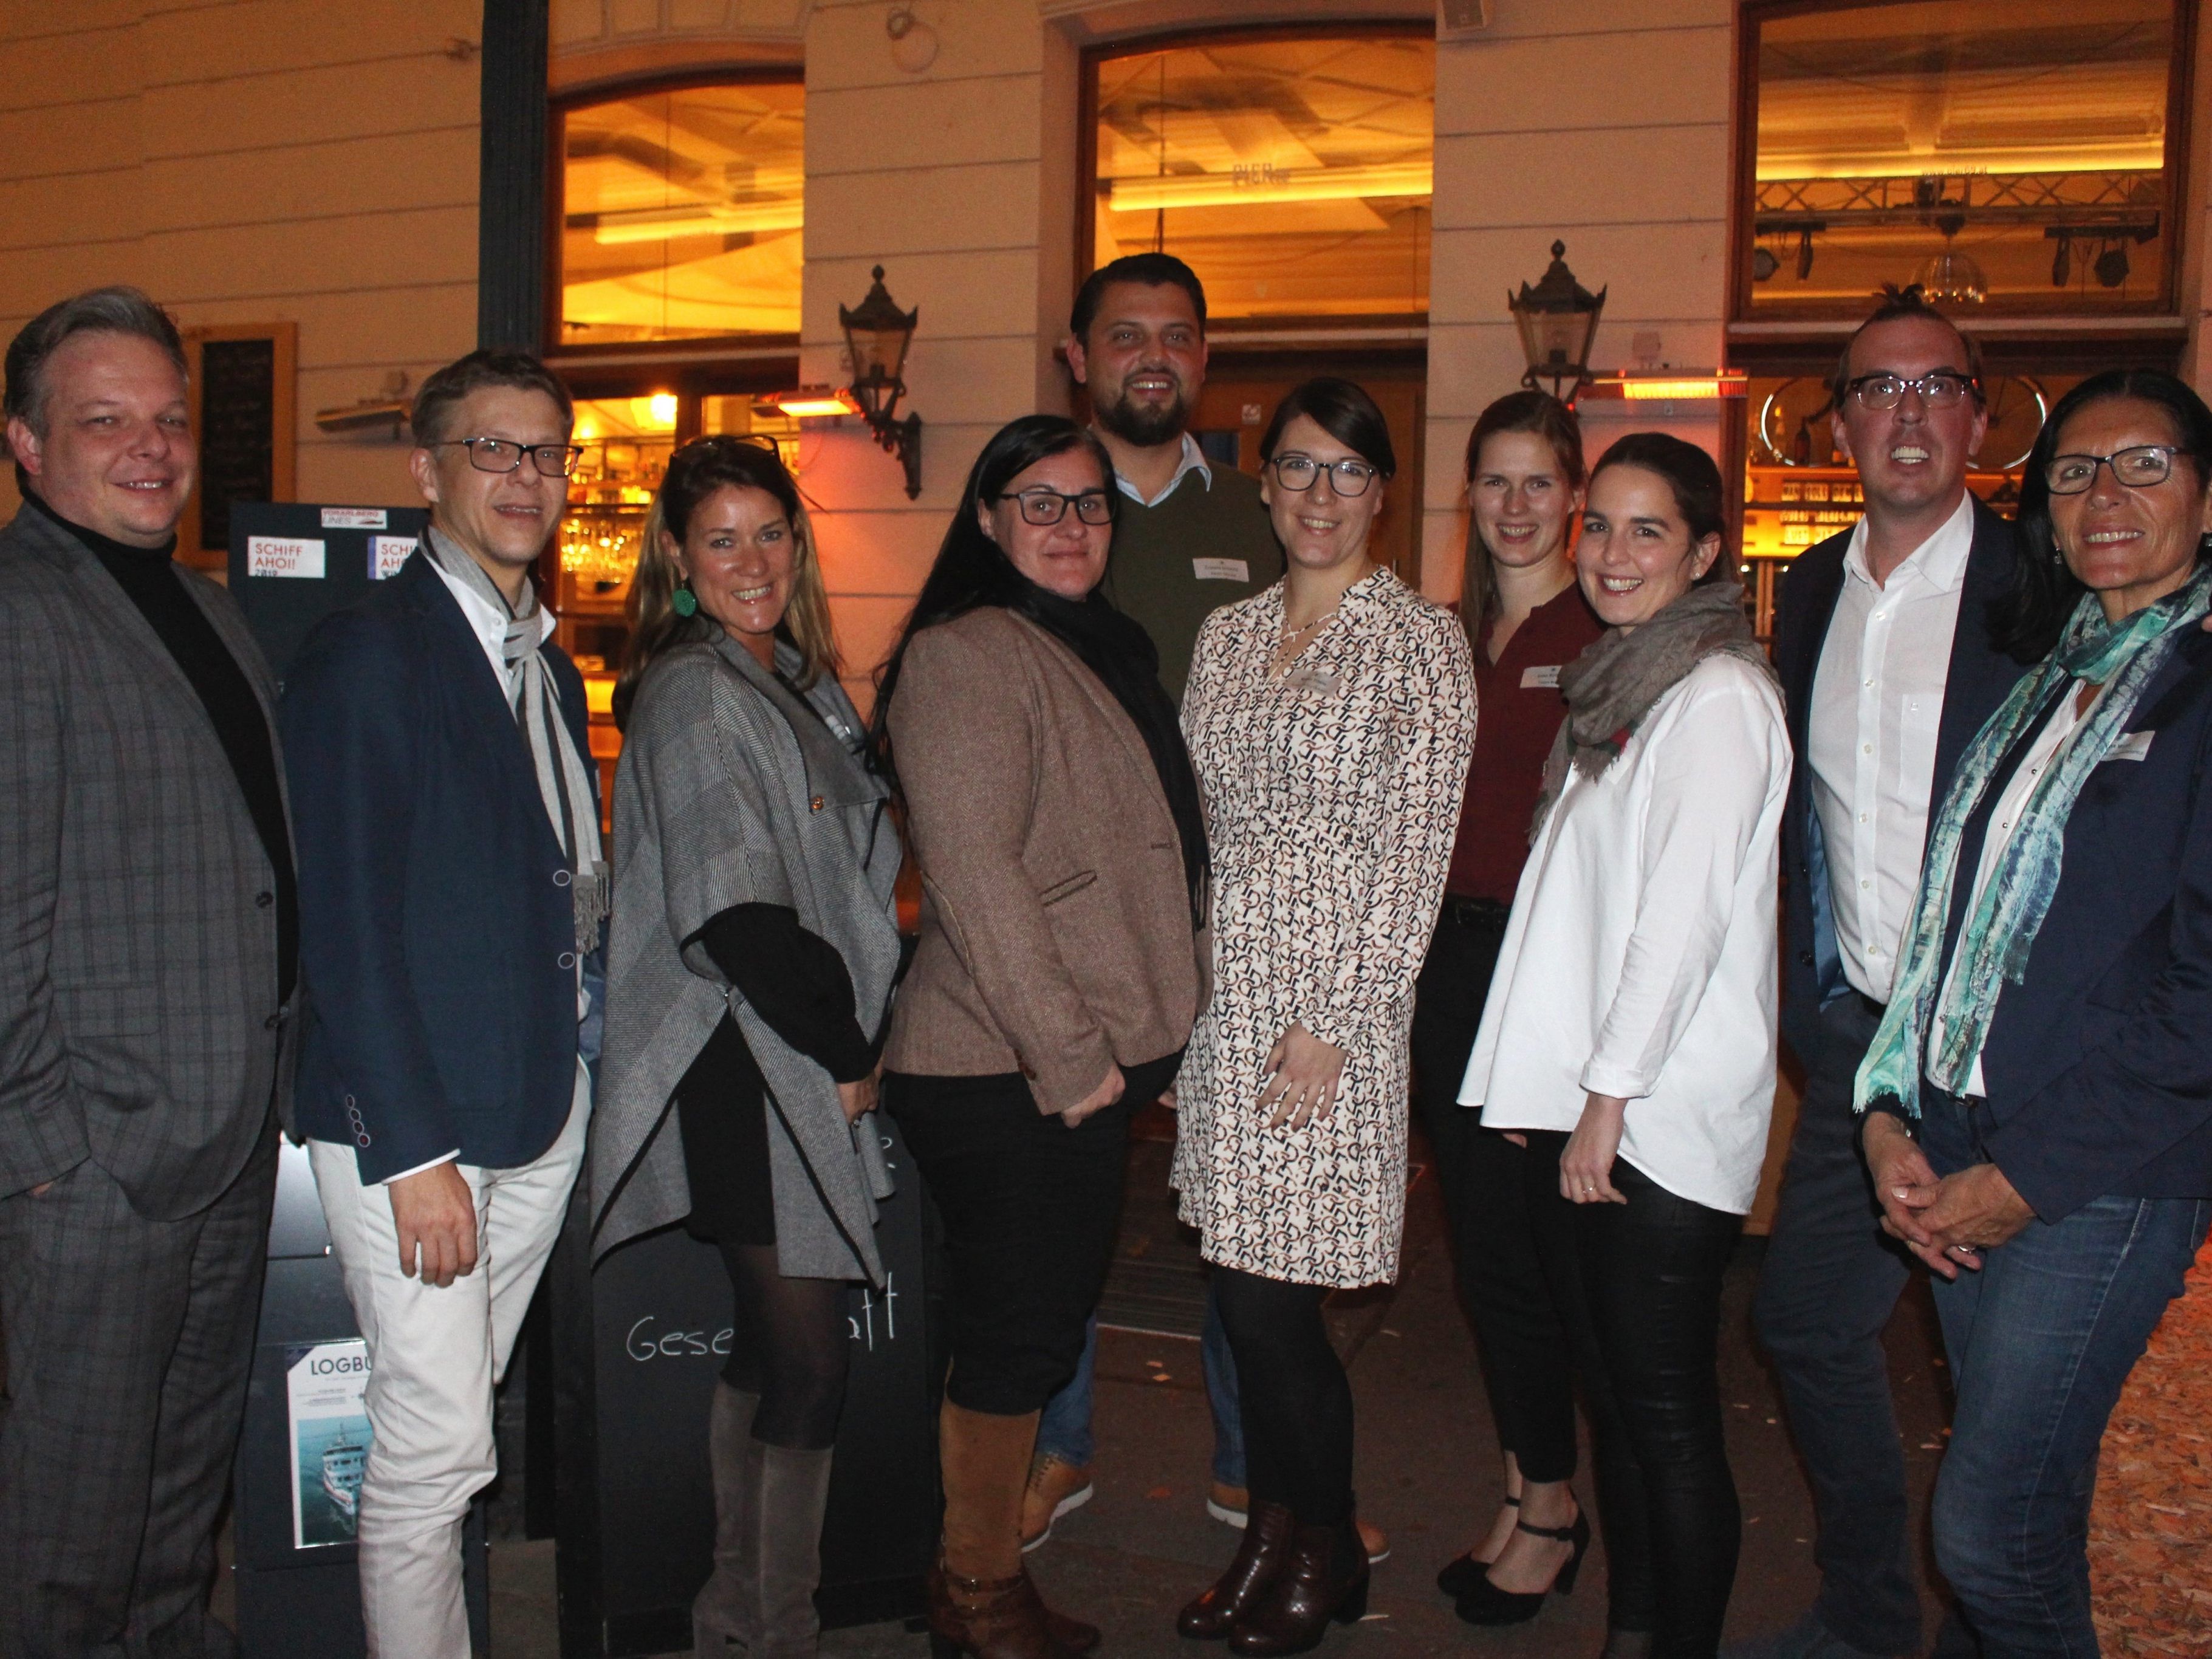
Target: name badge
x=1221, y=570
x=1541, y=679
x=2133, y=747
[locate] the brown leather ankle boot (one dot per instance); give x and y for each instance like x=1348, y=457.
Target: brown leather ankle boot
x=1260, y=1556
x=1324, y=1578
x=981, y=1603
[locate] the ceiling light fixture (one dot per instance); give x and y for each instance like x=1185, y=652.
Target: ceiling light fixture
x=1267, y=186
x=716, y=219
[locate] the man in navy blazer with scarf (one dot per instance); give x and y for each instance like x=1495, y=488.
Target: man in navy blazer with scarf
x=452, y=890
x=1888, y=670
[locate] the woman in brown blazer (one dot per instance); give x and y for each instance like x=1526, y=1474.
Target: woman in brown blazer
x=1055, y=818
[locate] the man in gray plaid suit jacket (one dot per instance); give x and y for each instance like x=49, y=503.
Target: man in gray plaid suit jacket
x=148, y=945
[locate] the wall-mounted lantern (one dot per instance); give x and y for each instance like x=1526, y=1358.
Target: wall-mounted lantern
x=1557, y=320
x=877, y=334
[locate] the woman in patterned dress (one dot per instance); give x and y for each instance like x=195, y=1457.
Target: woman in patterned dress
x=1330, y=719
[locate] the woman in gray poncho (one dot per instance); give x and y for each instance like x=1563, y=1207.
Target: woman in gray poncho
x=750, y=958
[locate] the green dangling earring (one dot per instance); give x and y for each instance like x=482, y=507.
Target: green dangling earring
x=685, y=602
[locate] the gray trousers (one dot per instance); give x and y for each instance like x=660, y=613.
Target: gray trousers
x=129, y=1342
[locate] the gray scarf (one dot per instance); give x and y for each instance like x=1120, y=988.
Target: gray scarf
x=562, y=783
x=1611, y=687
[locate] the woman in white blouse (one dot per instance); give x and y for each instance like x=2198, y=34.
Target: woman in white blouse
x=1629, y=1028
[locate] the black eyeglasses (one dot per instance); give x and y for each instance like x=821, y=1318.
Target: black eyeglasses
x=2137, y=468
x=1045, y=507
x=1939, y=388
x=504, y=455
x=1346, y=477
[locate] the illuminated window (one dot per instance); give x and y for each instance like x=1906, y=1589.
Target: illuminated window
x=1292, y=174
x=682, y=214
x=2009, y=155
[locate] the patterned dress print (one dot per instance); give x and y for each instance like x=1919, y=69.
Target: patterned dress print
x=1332, y=791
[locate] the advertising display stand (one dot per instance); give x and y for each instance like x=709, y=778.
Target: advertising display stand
x=640, y=1344
x=297, y=1482
x=293, y=562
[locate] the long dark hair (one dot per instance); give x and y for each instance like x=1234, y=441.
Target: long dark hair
x=2026, y=620
x=1546, y=417
x=694, y=472
x=1695, y=481
x=971, y=570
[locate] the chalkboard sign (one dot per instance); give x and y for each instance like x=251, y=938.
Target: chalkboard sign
x=243, y=403
x=238, y=431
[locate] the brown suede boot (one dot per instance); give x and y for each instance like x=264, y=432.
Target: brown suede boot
x=727, y=1609
x=1259, y=1557
x=981, y=1601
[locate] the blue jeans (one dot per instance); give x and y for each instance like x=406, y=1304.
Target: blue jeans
x=2040, y=1341
x=1064, y=1431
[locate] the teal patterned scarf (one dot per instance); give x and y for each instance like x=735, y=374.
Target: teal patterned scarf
x=2000, y=930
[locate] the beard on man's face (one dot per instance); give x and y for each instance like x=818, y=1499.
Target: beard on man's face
x=1146, y=425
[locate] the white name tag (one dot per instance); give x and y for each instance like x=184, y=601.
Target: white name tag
x=2134, y=746
x=1221, y=570
x=1541, y=679
x=386, y=554
x=354, y=518
x=282, y=555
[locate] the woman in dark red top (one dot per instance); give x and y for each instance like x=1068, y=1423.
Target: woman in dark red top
x=1526, y=618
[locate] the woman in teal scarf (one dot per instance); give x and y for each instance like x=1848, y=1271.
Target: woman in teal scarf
x=2038, y=1099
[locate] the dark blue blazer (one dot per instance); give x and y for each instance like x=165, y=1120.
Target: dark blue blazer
x=2099, y=1064
x=1979, y=677
x=437, y=935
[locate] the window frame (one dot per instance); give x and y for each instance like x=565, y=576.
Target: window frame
x=1225, y=331
x=1753, y=14
x=559, y=106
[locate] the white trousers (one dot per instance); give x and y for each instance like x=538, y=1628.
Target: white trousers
x=434, y=1356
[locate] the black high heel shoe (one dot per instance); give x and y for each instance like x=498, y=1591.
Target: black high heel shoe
x=1486, y=1604
x=1463, y=1572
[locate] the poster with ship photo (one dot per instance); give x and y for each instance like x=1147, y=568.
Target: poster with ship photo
x=323, y=1383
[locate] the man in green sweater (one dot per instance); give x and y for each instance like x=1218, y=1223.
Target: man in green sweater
x=1193, y=536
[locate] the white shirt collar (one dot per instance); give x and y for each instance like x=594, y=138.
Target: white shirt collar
x=1194, y=460
x=1939, y=561
x=488, y=620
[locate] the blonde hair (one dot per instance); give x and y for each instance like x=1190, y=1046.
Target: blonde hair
x=694, y=472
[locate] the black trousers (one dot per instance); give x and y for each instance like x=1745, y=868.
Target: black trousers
x=1523, y=1343
x=129, y=1345
x=1831, y=1283
x=1030, y=1207
x=1645, y=1280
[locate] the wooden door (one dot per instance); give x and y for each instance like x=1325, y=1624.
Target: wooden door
x=1237, y=404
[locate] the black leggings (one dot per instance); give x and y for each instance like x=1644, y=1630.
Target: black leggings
x=1647, y=1342
x=791, y=1345
x=1522, y=1344
x=1296, y=1399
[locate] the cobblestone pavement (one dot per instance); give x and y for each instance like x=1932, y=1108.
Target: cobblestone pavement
x=2150, y=1533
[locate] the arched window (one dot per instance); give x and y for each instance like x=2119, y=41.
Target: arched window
x=1292, y=169
x=681, y=214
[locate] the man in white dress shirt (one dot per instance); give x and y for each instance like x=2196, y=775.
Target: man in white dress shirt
x=1887, y=667
x=451, y=890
